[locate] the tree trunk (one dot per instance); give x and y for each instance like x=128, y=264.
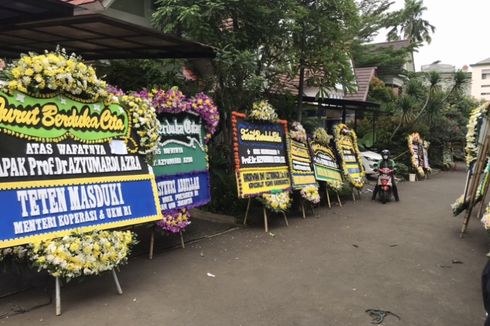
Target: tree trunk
x=300, y=92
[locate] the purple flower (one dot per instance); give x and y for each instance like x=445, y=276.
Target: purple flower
x=175, y=220
x=205, y=107
x=115, y=90
x=171, y=101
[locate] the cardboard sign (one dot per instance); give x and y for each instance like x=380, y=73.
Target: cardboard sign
x=59, y=172
x=325, y=165
x=181, y=163
x=260, y=156
x=300, y=163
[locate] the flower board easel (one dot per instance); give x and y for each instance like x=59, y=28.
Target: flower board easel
x=58, y=290
x=264, y=210
x=473, y=183
x=152, y=242
x=350, y=158
x=477, y=149
x=181, y=165
x=260, y=155
x=328, y=196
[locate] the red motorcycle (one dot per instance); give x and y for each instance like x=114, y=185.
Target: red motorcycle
x=385, y=184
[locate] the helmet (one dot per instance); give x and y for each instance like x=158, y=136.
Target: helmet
x=385, y=154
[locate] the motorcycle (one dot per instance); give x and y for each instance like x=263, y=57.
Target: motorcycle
x=385, y=184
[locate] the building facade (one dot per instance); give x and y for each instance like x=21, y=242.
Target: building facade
x=446, y=73
x=480, y=80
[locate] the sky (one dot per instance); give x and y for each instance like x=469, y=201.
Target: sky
x=462, y=32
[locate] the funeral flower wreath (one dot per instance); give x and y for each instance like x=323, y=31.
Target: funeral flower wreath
x=174, y=101
x=474, y=125
x=415, y=138
x=342, y=132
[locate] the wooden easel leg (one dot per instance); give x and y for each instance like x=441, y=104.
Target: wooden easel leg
x=338, y=198
x=58, y=296
x=182, y=240
x=353, y=195
x=474, y=185
x=152, y=243
x=359, y=194
x=465, y=222
x=266, y=226
x=246, y=212
x=116, y=280
x=285, y=218
x=303, y=208
x=328, y=199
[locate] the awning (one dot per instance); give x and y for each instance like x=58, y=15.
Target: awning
x=341, y=104
x=93, y=36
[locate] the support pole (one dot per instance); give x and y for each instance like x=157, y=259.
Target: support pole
x=116, y=280
x=303, y=208
x=182, y=240
x=338, y=198
x=353, y=194
x=285, y=218
x=152, y=243
x=266, y=226
x=328, y=198
x=58, y=297
x=246, y=212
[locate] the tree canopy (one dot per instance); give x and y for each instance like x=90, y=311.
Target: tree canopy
x=257, y=41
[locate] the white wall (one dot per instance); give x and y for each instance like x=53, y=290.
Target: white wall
x=478, y=84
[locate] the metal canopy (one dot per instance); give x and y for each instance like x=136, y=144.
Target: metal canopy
x=93, y=36
x=17, y=11
x=341, y=104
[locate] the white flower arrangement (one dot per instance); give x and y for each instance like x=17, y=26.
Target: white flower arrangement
x=18, y=253
x=414, y=160
x=262, y=110
x=277, y=202
x=82, y=254
x=310, y=193
x=298, y=132
x=144, y=121
x=458, y=206
x=472, y=134
x=486, y=218
x=55, y=72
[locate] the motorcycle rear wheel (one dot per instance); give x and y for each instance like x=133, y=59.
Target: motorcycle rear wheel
x=383, y=196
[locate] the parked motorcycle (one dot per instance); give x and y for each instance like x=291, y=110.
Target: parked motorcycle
x=385, y=184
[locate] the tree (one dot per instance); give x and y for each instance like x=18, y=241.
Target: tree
x=408, y=22
x=322, y=33
x=374, y=15
x=256, y=41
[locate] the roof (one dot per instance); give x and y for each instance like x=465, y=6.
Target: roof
x=363, y=77
x=482, y=63
x=288, y=84
x=400, y=44
x=41, y=25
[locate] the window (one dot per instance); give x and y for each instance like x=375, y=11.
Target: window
x=485, y=74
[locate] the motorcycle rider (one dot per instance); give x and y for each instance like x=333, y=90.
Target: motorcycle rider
x=386, y=162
